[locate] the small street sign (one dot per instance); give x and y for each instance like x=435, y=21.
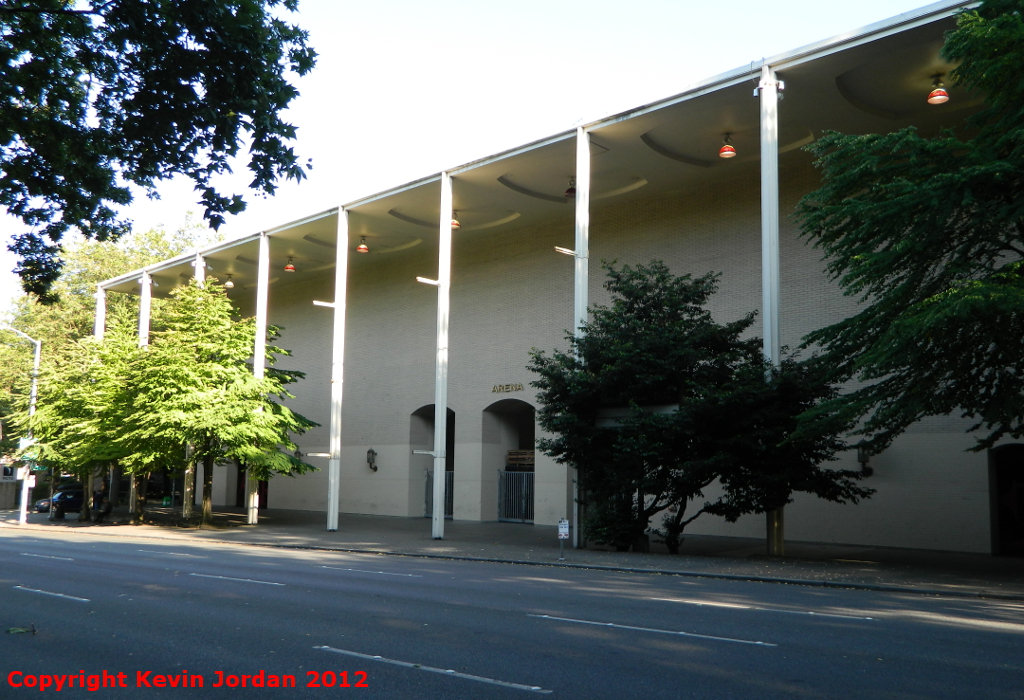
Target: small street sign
x=563, y=529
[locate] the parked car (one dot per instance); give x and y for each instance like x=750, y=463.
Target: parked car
x=63, y=502
x=43, y=504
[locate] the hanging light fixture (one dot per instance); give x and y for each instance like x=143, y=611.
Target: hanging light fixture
x=938, y=95
x=727, y=150
x=229, y=284
x=290, y=267
x=362, y=247
x=455, y=220
x=570, y=193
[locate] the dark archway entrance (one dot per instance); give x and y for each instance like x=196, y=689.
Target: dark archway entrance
x=421, y=437
x=509, y=434
x=1006, y=484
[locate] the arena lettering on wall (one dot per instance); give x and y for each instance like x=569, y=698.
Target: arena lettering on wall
x=501, y=388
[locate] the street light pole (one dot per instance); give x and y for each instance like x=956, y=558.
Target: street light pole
x=23, y=513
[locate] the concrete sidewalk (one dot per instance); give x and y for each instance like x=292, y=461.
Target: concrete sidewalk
x=917, y=571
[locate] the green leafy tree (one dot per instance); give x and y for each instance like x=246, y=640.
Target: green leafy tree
x=104, y=98
x=62, y=324
x=656, y=401
x=194, y=385
x=928, y=232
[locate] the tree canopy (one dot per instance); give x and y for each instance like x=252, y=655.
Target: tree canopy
x=656, y=401
x=928, y=232
x=105, y=99
x=111, y=400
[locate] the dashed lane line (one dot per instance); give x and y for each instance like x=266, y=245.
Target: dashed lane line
x=55, y=595
x=245, y=580
x=740, y=606
x=364, y=571
x=431, y=669
x=655, y=630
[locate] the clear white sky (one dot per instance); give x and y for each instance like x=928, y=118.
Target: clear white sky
x=406, y=88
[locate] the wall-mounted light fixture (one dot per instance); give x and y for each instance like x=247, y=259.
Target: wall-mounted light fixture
x=570, y=192
x=727, y=150
x=938, y=95
x=371, y=459
x=229, y=284
x=362, y=247
x=863, y=456
x=290, y=267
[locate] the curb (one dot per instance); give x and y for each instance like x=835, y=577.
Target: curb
x=848, y=585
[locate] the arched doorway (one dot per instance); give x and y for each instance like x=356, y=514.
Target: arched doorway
x=1006, y=484
x=509, y=434
x=421, y=437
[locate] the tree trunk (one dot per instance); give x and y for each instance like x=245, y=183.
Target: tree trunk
x=207, y=520
x=85, y=515
x=776, y=532
x=115, y=484
x=189, y=497
x=138, y=498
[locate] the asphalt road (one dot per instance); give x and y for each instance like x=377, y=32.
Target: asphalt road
x=409, y=628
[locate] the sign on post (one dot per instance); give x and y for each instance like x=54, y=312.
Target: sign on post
x=563, y=535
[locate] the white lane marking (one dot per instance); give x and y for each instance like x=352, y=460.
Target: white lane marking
x=364, y=571
x=176, y=554
x=715, y=604
x=56, y=595
x=232, y=578
x=652, y=629
x=45, y=556
x=431, y=669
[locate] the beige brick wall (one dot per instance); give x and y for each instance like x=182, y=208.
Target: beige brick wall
x=511, y=292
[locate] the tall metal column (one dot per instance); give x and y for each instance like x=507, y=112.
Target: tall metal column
x=145, y=307
x=199, y=272
x=337, y=371
x=259, y=361
x=444, y=277
x=99, y=322
x=581, y=282
x=769, y=92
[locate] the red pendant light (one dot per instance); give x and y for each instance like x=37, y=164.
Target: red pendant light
x=289, y=267
x=727, y=150
x=455, y=220
x=938, y=95
x=362, y=247
x=570, y=193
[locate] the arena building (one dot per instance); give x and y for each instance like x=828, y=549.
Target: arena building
x=430, y=324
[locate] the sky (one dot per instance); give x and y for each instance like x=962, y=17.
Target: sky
x=407, y=88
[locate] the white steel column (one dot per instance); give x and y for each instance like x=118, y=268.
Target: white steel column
x=769, y=90
x=444, y=280
x=581, y=298
x=99, y=322
x=145, y=305
x=259, y=362
x=200, y=270
x=337, y=371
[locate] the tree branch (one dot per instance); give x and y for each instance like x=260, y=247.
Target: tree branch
x=41, y=11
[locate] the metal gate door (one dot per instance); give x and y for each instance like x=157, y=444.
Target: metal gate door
x=515, y=497
x=449, y=501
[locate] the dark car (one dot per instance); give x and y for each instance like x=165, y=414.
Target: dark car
x=63, y=502
x=43, y=504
